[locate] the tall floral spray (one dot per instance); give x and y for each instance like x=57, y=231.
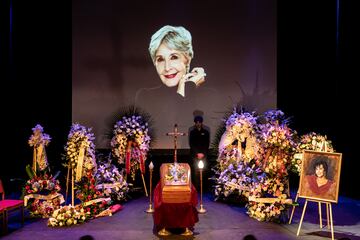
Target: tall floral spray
x=80, y=154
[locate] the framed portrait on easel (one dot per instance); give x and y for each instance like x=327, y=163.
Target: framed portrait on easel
x=320, y=176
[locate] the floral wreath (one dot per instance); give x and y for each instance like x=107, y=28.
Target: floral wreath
x=111, y=181
x=311, y=141
x=263, y=175
x=40, y=184
x=278, y=142
x=241, y=124
x=274, y=187
x=80, y=137
x=241, y=127
x=44, y=185
x=131, y=132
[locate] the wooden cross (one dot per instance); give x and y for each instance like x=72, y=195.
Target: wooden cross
x=175, y=134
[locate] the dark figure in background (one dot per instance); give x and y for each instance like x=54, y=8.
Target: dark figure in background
x=199, y=141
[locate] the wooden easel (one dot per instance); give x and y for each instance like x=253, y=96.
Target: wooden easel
x=323, y=149
x=328, y=207
x=328, y=212
x=175, y=134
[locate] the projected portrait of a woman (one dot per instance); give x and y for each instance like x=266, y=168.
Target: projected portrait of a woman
x=171, y=52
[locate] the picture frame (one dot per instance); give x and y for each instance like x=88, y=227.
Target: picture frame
x=320, y=176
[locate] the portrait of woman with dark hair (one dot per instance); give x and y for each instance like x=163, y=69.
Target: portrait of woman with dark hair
x=318, y=182
x=320, y=176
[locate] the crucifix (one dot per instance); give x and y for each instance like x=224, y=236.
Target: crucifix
x=175, y=134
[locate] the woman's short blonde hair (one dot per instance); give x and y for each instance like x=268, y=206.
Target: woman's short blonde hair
x=177, y=38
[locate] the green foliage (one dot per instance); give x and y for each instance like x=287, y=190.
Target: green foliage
x=30, y=171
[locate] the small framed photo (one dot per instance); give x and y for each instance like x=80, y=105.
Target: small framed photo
x=320, y=176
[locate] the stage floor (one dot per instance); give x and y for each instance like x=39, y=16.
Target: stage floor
x=222, y=221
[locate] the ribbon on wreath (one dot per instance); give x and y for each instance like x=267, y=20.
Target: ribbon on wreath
x=142, y=163
x=79, y=167
x=128, y=165
x=39, y=158
x=43, y=197
x=127, y=161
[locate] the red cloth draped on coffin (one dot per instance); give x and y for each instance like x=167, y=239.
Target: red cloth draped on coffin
x=175, y=215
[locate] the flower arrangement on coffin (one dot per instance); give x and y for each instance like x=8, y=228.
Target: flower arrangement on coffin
x=80, y=150
x=311, y=141
x=39, y=140
x=111, y=181
x=176, y=174
x=131, y=142
x=67, y=216
x=92, y=199
x=39, y=194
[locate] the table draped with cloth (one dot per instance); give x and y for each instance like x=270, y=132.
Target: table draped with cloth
x=175, y=215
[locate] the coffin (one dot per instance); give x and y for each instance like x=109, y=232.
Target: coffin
x=175, y=182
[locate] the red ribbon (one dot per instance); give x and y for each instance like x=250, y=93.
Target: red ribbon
x=127, y=162
x=142, y=163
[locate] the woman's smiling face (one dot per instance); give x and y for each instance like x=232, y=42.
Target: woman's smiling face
x=170, y=65
x=320, y=171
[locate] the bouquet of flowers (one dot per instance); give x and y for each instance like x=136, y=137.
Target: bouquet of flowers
x=67, y=216
x=176, y=174
x=311, y=141
x=111, y=181
x=80, y=138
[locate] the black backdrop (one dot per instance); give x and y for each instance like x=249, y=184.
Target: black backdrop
x=315, y=79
